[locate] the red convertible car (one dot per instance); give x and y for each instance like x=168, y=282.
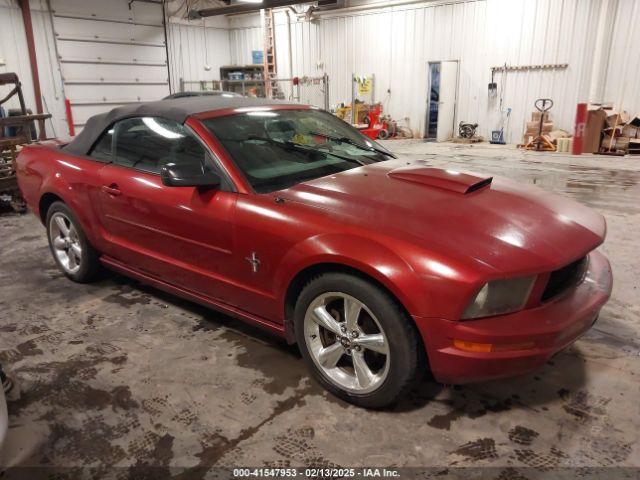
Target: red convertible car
x=379, y=268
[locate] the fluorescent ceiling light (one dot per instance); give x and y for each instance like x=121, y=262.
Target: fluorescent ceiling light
x=249, y=1
x=252, y=109
x=262, y=114
x=159, y=129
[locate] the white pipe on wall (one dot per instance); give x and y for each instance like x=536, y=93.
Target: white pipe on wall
x=289, y=44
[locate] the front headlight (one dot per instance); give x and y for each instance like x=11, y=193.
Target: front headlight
x=500, y=296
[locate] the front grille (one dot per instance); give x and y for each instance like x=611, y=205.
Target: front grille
x=564, y=278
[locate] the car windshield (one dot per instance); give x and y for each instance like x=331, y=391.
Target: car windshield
x=276, y=149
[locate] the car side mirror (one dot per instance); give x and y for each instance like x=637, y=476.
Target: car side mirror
x=173, y=175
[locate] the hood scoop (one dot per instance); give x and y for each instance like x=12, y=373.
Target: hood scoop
x=444, y=179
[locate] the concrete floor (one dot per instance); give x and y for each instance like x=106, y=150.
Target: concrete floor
x=122, y=378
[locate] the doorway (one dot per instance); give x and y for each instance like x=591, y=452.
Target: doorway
x=441, y=100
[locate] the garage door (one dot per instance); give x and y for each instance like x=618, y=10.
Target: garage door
x=111, y=53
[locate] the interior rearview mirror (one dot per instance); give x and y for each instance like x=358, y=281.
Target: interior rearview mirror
x=174, y=175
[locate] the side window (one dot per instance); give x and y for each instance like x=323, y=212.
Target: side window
x=148, y=143
x=102, y=149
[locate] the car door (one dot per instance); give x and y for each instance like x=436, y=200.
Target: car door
x=181, y=235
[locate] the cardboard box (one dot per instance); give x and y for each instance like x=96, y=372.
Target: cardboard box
x=617, y=119
x=596, y=118
x=556, y=134
x=630, y=131
x=618, y=143
x=612, y=132
x=535, y=126
x=622, y=143
x=607, y=144
x=535, y=116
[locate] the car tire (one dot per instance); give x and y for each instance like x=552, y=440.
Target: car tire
x=391, y=361
x=71, y=250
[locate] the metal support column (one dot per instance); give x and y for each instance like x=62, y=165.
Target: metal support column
x=33, y=60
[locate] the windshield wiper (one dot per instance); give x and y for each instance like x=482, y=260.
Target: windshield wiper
x=289, y=145
x=371, y=148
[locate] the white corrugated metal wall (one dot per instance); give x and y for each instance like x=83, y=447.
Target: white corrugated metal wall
x=395, y=43
x=245, y=35
x=193, y=45
x=622, y=85
x=13, y=51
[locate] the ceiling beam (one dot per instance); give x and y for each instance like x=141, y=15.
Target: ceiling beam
x=244, y=8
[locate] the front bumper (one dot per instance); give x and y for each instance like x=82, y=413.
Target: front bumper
x=550, y=327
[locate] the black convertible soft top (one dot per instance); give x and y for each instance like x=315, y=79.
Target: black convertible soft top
x=178, y=109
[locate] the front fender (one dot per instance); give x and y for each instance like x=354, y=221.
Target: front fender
x=360, y=253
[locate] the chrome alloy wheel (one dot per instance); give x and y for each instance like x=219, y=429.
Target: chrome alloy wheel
x=346, y=342
x=65, y=241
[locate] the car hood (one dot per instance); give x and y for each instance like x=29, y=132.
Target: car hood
x=500, y=224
